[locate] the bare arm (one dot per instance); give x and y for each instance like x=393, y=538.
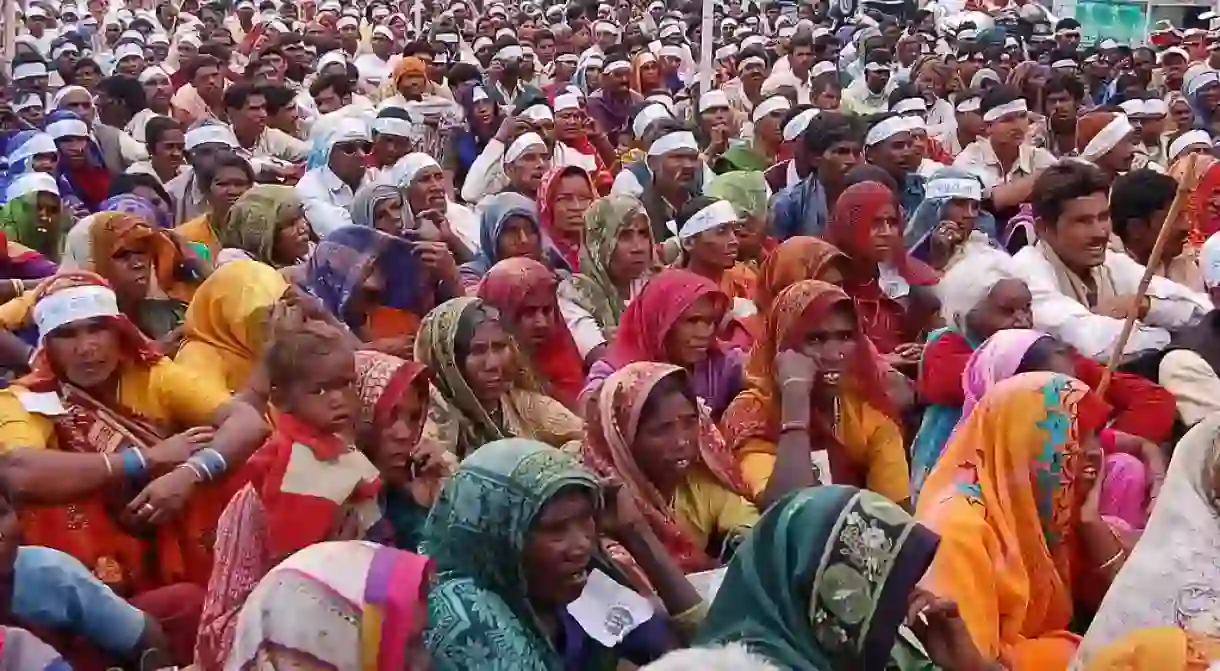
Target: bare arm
x=52, y=477
x=793, y=463
x=1012, y=194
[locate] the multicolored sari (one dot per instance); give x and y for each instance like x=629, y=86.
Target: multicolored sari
x=823, y=583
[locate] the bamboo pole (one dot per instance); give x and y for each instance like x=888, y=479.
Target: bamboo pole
x=1186, y=183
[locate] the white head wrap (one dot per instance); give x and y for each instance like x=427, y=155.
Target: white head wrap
x=521, y=144
x=210, y=134
x=388, y=125
x=796, y=125
x=969, y=281
x=713, y=99
x=73, y=305
x=1187, y=140
x=566, y=101
x=1109, y=137
x=39, y=143
x=1000, y=111
x=404, y=171
x=675, y=141
x=30, y=70
x=885, y=130
x=1209, y=261
x=67, y=128
x=332, y=58
x=770, y=106
x=713, y=216
x=646, y=116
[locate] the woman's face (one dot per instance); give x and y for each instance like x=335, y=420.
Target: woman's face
x=519, y=237
x=484, y=111
x=650, y=72
x=44, y=162
x=928, y=84
x=292, y=241
x=75, y=150
x=48, y=206
x=228, y=184
x=536, y=318
x=632, y=251
x=716, y=248
x=387, y=215
x=667, y=438
x=1008, y=305
x=961, y=211
x=85, y=353
x=130, y=271
x=395, y=444
x=884, y=233
x=690, y=338
x=490, y=364
x=1209, y=96
x=569, y=124
x=831, y=342
x=558, y=548
x=1183, y=118
x=572, y=196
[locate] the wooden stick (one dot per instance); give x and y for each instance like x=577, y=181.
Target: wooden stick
x=1185, y=185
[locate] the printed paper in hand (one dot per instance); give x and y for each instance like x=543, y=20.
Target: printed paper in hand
x=607, y=611
x=707, y=583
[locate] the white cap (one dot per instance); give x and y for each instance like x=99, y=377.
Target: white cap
x=128, y=51
x=1209, y=261
x=32, y=182
x=210, y=134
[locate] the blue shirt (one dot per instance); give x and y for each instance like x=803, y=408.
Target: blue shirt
x=52, y=589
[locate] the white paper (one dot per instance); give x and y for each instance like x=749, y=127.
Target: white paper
x=608, y=611
x=41, y=403
x=821, y=467
x=707, y=583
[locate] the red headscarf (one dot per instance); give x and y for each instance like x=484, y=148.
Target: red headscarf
x=646, y=322
x=558, y=367
x=569, y=248
x=851, y=230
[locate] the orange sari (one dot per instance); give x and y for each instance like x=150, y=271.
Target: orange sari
x=1158, y=649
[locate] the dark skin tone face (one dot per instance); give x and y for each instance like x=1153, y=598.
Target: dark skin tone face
x=324, y=396
x=633, y=251
x=690, y=337
x=838, y=160
x=86, y=353
x=716, y=248
x=1080, y=235
x=392, y=447
x=573, y=196
x=490, y=363
x=1141, y=236
x=292, y=241
x=558, y=548
x=1008, y=305
x=831, y=342
x=886, y=232
x=228, y=184
x=427, y=190
x=170, y=152
x=130, y=272
x=667, y=438
x=535, y=319
x=896, y=155
x=347, y=160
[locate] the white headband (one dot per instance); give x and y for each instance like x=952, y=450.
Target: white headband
x=151, y=71
x=1109, y=137
x=1186, y=140
x=675, y=141
x=523, y=142
x=797, y=124
x=754, y=41
x=822, y=68
x=1156, y=107
x=347, y=21
x=713, y=216
x=479, y=94
x=954, y=187
x=32, y=182
x=713, y=99
x=512, y=52
x=384, y=32
x=209, y=134
x=392, y=126
x=29, y=70
x=908, y=105
x=646, y=116
x=73, y=305
x=1064, y=63
x=67, y=128
x=751, y=61
x=1018, y=106
x=885, y=130
x=616, y=66
x=770, y=106
x=538, y=112
x=1200, y=80
x=39, y=143
x=408, y=167
x=971, y=104
x=128, y=51
x=28, y=100
x=566, y=101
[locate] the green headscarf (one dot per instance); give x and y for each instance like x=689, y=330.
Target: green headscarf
x=592, y=289
x=19, y=221
x=745, y=190
x=479, y=613
x=256, y=217
x=822, y=583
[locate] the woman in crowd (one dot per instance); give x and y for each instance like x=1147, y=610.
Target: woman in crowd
x=393, y=396
x=800, y=257
x=34, y=215
x=379, y=205
x=509, y=227
x=267, y=224
x=853, y=436
x=675, y=320
x=78, y=244
x=483, y=119
x=616, y=263
x=230, y=177
x=980, y=297
x=646, y=73
x=747, y=193
x=805, y=592
x=21, y=264
x=346, y=605
x=1015, y=501
x=80, y=159
x=707, y=232
x=948, y=224
x=484, y=393
x=514, y=536
x=523, y=290
x=881, y=279
x=564, y=197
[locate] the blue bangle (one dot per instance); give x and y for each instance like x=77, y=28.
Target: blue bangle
x=210, y=462
x=133, y=463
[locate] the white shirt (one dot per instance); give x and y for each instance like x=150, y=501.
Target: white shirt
x=326, y=199
x=146, y=168
x=625, y=182
x=584, y=328
x=374, y=70
x=135, y=127
x=979, y=159
x=1060, y=315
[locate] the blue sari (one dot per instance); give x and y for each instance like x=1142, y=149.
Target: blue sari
x=935, y=428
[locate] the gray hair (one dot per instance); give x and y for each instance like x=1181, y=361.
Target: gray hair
x=729, y=657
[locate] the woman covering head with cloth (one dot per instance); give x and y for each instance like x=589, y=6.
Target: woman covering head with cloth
x=949, y=224
x=564, y=197
x=483, y=119
x=267, y=224
x=851, y=435
x=343, y=604
x=800, y=257
x=1015, y=501
x=485, y=393
x=746, y=191
x=806, y=593
x=515, y=538
x=378, y=205
x=523, y=290
x=675, y=320
x=35, y=151
x=426, y=204
x=34, y=215
x=80, y=159
x=509, y=228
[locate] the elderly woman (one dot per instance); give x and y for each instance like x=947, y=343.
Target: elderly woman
x=615, y=264
x=34, y=215
x=378, y=204
x=564, y=197
x=515, y=160
x=267, y=224
x=515, y=537
x=948, y=224
x=510, y=227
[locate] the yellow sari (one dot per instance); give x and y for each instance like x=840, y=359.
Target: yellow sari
x=1157, y=649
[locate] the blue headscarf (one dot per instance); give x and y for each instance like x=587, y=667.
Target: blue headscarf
x=496, y=213
x=130, y=203
x=931, y=212
x=24, y=164
x=344, y=258
x=1204, y=118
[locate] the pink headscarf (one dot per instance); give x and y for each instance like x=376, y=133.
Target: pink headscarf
x=996, y=359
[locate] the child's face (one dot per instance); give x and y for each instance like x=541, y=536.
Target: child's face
x=324, y=396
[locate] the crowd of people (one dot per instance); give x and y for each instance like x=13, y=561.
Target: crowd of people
x=530, y=336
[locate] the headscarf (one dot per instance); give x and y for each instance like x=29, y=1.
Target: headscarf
x=611, y=431
x=496, y=213
x=256, y=218
x=139, y=206
x=646, y=322
x=343, y=604
x=593, y=289
x=19, y=223
x=568, y=248
x=1015, y=463
x=968, y=283
x=745, y=190
x=477, y=534
x=112, y=232
x=21, y=160
x=1201, y=215
x=808, y=595
x=798, y=258
x=851, y=224
x=1164, y=648
x=22, y=651
x=1172, y=578
x=410, y=65
x=343, y=260
x=368, y=197
x=917, y=235
x=89, y=183
x=998, y=358
x=558, y=367
x=229, y=315
x=20, y=262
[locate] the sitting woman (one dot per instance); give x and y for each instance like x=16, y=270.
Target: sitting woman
x=229, y=177
x=515, y=537
x=981, y=298
x=800, y=257
x=746, y=191
x=308, y=484
x=88, y=449
x=707, y=232
x=786, y=593
x=267, y=224
x=508, y=228
x=21, y=267
x=566, y=193
x=851, y=433
x=523, y=290
x=81, y=164
x=34, y=216
x=1015, y=501
x=508, y=165
x=675, y=320
x=616, y=262
x=484, y=392
x=948, y=224
x=393, y=396
x=340, y=605
x=887, y=286
x=379, y=204
x=380, y=286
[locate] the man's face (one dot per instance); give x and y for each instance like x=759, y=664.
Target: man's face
x=158, y=90
x=1082, y=232
x=159, y=52
x=1061, y=107
x=801, y=59
x=896, y=155
x=876, y=79
x=253, y=116
x=207, y=80
x=186, y=52
x=66, y=61
x=1174, y=67
x=381, y=46
x=1068, y=41
x=131, y=66
x=389, y=148
x=112, y=33
x=349, y=33
x=246, y=14
x=329, y=101
x=1009, y=130
x=545, y=49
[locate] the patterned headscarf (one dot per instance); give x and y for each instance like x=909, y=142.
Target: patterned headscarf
x=593, y=289
x=798, y=258
x=112, y=232
x=745, y=190
x=998, y=358
x=256, y=218
x=141, y=207
x=345, y=257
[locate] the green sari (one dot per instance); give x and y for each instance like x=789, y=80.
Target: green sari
x=822, y=584
x=19, y=222
x=479, y=614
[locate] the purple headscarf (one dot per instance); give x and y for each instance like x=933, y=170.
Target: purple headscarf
x=998, y=358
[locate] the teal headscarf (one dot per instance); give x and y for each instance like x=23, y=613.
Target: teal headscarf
x=822, y=583
x=479, y=613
